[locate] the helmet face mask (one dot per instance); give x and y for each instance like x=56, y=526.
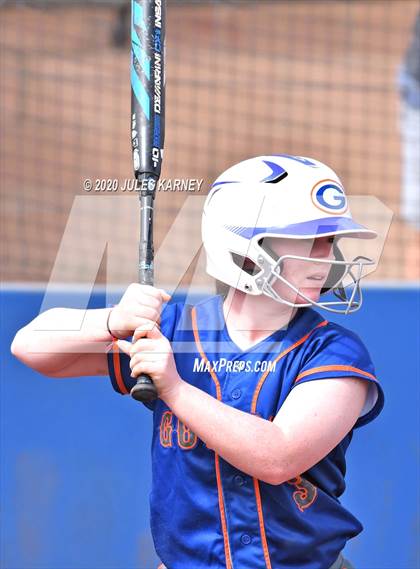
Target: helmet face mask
x=350, y=300
x=301, y=201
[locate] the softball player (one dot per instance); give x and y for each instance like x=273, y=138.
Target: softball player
x=248, y=443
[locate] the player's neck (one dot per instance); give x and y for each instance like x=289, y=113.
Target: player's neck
x=250, y=319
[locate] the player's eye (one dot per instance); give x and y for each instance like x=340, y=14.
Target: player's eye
x=331, y=239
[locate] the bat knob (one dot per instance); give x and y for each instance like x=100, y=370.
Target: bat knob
x=144, y=390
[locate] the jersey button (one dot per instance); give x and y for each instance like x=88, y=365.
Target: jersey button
x=246, y=539
x=239, y=480
x=236, y=393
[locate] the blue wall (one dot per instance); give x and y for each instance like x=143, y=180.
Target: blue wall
x=75, y=467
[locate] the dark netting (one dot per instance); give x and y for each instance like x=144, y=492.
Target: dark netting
x=314, y=78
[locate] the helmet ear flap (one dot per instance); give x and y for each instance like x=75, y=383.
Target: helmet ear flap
x=263, y=243
x=337, y=272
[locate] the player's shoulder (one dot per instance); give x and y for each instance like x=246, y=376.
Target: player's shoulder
x=334, y=351
x=331, y=336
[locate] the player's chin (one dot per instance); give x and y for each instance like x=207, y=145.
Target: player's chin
x=308, y=293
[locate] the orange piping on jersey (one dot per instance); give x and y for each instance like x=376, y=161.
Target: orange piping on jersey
x=253, y=410
x=334, y=368
x=203, y=355
x=216, y=456
x=222, y=513
x=262, y=526
x=279, y=357
x=117, y=368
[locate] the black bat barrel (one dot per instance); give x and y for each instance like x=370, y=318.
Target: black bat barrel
x=147, y=133
x=147, y=86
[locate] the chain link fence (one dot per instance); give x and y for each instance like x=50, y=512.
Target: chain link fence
x=306, y=77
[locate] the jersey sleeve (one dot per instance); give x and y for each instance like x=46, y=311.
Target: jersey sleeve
x=119, y=362
x=338, y=352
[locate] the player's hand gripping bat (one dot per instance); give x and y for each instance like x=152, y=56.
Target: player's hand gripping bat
x=147, y=133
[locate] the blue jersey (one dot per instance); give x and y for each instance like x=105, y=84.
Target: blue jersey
x=207, y=514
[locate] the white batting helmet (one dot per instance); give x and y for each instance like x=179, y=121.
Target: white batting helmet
x=279, y=196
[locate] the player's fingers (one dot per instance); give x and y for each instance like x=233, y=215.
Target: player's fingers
x=155, y=333
x=135, y=318
x=142, y=322
x=148, y=329
x=143, y=367
x=136, y=289
x=122, y=322
x=158, y=293
x=141, y=345
x=124, y=346
x=166, y=297
x=149, y=300
x=147, y=292
x=146, y=312
x=142, y=295
x=143, y=357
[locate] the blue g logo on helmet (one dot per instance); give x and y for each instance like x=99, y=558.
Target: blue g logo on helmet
x=329, y=196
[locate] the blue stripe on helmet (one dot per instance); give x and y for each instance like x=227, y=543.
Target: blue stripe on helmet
x=300, y=159
x=306, y=228
x=225, y=182
x=277, y=172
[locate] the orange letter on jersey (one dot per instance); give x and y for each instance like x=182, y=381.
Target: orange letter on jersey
x=186, y=438
x=305, y=494
x=166, y=429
